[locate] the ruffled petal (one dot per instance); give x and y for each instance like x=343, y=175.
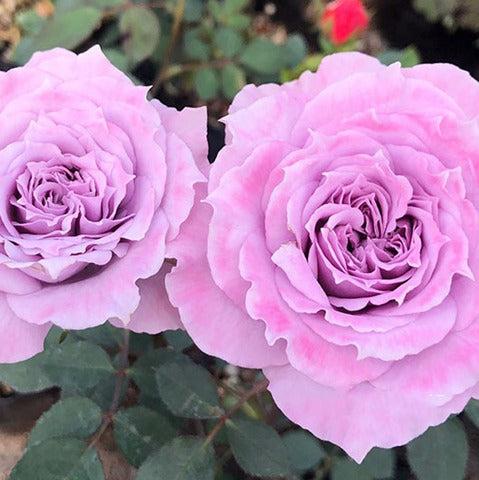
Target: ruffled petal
x=20, y=340
x=111, y=293
x=425, y=330
x=215, y=323
x=322, y=361
x=155, y=313
x=182, y=175
x=361, y=418
x=188, y=124
x=455, y=82
x=237, y=211
x=445, y=369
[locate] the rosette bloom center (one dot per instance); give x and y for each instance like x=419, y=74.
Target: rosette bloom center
x=64, y=196
x=363, y=239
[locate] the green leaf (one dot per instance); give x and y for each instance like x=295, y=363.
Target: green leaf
x=311, y=62
x=185, y=458
x=142, y=29
x=56, y=336
x=187, y=389
x=106, y=335
x=105, y=3
x=143, y=370
x=263, y=56
x=216, y=10
x=141, y=343
x=76, y=366
x=304, y=450
x=410, y=57
x=25, y=376
x=346, y=469
x=232, y=80
x=440, y=453
x=102, y=393
x=234, y=6
x=407, y=57
x=295, y=50
x=206, y=83
x=228, y=41
x=76, y=417
x=29, y=21
x=178, y=339
x=193, y=10
x=472, y=411
x=139, y=431
x=258, y=448
x=63, y=5
x=118, y=58
x=59, y=459
x=194, y=46
x=65, y=29
x=379, y=463
x=239, y=22
x=90, y=467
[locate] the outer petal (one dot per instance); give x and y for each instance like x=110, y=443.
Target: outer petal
x=190, y=125
x=155, y=313
x=17, y=282
x=333, y=68
x=455, y=82
x=20, y=340
x=182, y=174
x=446, y=369
x=214, y=322
x=66, y=65
x=237, y=212
x=361, y=418
x=427, y=329
x=359, y=93
x=325, y=362
x=112, y=293
x=252, y=93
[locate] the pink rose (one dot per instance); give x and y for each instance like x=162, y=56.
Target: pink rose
x=337, y=248
x=95, y=183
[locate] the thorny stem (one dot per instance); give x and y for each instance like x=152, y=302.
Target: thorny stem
x=258, y=388
x=116, y=401
x=175, y=31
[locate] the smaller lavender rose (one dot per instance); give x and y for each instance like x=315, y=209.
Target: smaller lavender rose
x=95, y=184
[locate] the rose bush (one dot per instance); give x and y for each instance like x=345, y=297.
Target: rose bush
x=337, y=248
x=95, y=183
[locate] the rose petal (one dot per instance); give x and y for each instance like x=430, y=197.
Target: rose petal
x=361, y=418
x=155, y=313
x=111, y=293
x=216, y=325
x=20, y=340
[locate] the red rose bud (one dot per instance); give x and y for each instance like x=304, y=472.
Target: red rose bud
x=342, y=19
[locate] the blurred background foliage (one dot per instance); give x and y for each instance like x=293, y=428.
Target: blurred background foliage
x=163, y=408
x=190, y=51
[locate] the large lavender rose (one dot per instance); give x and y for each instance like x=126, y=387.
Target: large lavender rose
x=95, y=183
x=337, y=248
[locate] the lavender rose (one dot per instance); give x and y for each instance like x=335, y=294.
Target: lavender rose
x=95, y=184
x=337, y=248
